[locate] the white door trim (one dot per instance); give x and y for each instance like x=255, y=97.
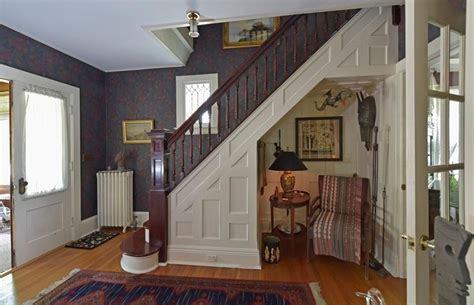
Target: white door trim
x=78, y=227
x=416, y=150
x=468, y=139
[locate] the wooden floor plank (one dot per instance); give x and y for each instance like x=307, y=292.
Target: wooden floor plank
x=339, y=280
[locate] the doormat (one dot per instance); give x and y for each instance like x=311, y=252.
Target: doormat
x=91, y=287
x=92, y=240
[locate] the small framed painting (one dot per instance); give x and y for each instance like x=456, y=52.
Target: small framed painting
x=249, y=33
x=319, y=139
x=136, y=131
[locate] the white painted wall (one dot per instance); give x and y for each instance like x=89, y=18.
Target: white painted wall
x=356, y=160
x=213, y=212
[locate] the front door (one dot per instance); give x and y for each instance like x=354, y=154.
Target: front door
x=434, y=132
x=41, y=170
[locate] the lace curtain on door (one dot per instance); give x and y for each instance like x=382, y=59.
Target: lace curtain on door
x=45, y=142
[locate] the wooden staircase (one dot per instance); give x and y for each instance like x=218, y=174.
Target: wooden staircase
x=175, y=154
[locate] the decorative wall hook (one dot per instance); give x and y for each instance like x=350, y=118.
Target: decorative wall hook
x=333, y=101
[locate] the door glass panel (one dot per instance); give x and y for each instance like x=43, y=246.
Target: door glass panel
x=455, y=63
x=45, y=144
x=436, y=204
x=435, y=198
x=435, y=137
x=455, y=132
x=434, y=57
x=456, y=203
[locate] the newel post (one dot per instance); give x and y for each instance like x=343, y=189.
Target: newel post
x=157, y=198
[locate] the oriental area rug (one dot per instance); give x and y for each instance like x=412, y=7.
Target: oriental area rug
x=91, y=287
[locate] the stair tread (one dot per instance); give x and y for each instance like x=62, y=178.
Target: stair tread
x=135, y=245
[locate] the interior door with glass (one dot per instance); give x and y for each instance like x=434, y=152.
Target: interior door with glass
x=41, y=173
x=434, y=134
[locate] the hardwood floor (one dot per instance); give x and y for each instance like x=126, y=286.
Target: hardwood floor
x=338, y=280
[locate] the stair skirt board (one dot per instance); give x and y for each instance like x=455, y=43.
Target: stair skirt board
x=224, y=257
x=139, y=264
x=213, y=212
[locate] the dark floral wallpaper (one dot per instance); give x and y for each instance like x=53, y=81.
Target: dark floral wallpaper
x=24, y=53
x=151, y=94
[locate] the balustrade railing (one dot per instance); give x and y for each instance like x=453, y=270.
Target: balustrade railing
x=281, y=55
x=175, y=154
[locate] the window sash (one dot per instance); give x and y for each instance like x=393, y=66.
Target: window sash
x=182, y=109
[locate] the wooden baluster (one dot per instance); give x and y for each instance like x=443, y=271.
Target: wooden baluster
x=347, y=15
x=316, y=32
x=246, y=93
x=285, y=52
x=274, y=63
x=256, y=84
x=200, y=138
x=295, y=44
x=173, y=154
x=182, y=157
x=305, y=35
x=191, y=146
x=337, y=19
x=218, y=117
x=209, y=129
x=265, y=72
x=326, y=19
x=237, y=101
x=227, y=112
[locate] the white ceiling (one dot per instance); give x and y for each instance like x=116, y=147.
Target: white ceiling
x=110, y=35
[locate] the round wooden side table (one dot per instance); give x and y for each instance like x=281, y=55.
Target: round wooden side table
x=298, y=200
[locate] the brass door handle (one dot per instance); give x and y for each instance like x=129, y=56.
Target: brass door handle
x=426, y=243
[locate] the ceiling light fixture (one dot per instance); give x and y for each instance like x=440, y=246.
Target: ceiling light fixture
x=193, y=24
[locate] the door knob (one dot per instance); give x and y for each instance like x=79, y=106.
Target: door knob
x=22, y=183
x=426, y=243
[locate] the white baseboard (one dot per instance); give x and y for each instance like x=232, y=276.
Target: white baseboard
x=85, y=227
x=224, y=257
x=142, y=216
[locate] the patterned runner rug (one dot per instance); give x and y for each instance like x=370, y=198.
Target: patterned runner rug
x=92, y=240
x=91, y=287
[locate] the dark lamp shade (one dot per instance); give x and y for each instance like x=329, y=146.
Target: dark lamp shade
x=287, y=161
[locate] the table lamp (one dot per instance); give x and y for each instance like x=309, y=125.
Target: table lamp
x=287, y=162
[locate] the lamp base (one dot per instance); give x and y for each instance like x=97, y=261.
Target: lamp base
x=287, y=181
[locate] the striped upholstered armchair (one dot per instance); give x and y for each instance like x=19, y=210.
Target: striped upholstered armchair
x=339, y=219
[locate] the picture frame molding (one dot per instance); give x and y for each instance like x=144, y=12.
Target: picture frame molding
x=226, y=44
x=125, y=140
x=341, y=134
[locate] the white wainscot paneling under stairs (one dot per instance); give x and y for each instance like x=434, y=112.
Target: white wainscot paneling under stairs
x=213, y=211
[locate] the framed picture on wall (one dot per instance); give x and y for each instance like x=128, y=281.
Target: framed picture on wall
x=135, y=131
x=319, y=138
x=249, y=33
